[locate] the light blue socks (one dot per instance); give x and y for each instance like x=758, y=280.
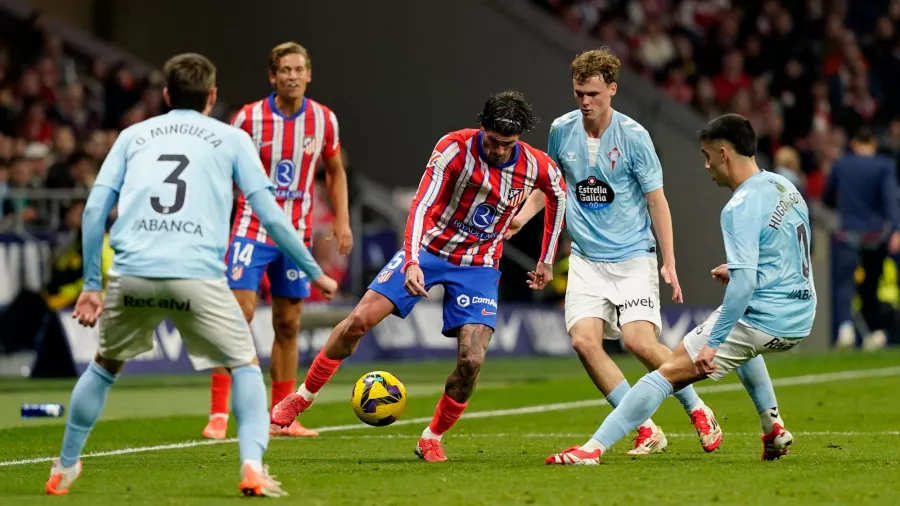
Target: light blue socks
x=248, y=402
x=85, y=406
x=755, y=377
x=634, y=408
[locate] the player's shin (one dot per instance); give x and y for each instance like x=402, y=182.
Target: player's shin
x=755, y=377
x=638, y=405
x=87, y=402
x=249, y=406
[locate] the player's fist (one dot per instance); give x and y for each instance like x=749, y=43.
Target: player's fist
x=540, y=276
x=706, y=361
x=514, y=226
x=327, y=285
x=721, y=274
x=88, y=308
x=415, y=281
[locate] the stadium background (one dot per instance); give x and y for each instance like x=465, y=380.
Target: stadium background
x=77, y=71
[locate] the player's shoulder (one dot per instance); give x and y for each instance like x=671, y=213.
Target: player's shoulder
x=566, y=121
x=628, y=128
x=457, y=139
x=538, y=154
x=314, y=104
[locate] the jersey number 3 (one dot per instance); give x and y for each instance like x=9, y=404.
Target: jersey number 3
x=173, y=178
x=803, y=243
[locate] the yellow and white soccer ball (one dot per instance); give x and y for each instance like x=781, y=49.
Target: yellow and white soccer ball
x=378, y=398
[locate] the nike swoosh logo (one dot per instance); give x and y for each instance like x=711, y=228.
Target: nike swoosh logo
x=485, y=312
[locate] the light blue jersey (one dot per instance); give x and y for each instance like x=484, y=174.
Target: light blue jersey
x=607, y=178
x=174, y=177
x=766, y=228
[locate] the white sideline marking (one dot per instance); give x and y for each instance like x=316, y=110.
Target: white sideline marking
x=541, y=408
x=540, y=435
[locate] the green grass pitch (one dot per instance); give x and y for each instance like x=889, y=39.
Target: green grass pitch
x=843, y=410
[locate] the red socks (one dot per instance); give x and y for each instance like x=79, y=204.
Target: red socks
x=447, y=413
x=281, y=389
x=221, y=385
x=321, y=370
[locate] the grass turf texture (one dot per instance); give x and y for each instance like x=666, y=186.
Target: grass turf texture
x=846, y=442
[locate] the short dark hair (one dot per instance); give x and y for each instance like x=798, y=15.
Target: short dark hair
x=733, y=129
x=189, y=79
x=864, y=134
x=507, y=113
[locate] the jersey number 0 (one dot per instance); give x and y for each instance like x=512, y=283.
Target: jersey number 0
x=173, y=178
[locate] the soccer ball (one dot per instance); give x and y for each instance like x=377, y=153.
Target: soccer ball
x=378, y=398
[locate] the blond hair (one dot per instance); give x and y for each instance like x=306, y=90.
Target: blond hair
x=285, y=48
x=600, y=63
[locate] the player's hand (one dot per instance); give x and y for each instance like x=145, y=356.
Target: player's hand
x=671, y=278
x=344, y=236
x=88, y=308
x=514, y=226
x=721, y=274
x=705, y=362
x=894, y=243
x=327, y=285
x=415, y=281
x=540, y=276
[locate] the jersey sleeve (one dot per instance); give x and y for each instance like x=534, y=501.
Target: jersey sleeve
x=646, y=166
x=553, y=186
x=553, y=145
x=249, y=173
x=332, y=137
x=741, y=223
x=112, y=172
x=240, y=120
x=434, y=189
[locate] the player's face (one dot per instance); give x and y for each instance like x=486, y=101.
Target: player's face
x=291, y=77
x=497, y=148
x=716, y=162
x=594, y=96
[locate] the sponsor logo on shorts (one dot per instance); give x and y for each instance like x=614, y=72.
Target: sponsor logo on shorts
x=781, y=344
x=465, y=301
x=294, y=274
x=150, y=302
x=645, y=302
x=804, y=294
x=384, y=275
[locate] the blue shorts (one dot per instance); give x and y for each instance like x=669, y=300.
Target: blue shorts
x=247, y=260
x=470, y=293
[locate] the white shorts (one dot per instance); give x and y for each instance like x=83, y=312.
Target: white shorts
x=616, y=292
x=204, y=311
x=742, y=344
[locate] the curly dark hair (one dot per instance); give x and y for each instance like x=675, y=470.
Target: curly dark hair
x=508, y=114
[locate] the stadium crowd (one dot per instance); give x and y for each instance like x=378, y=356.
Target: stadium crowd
x=807, y=73
x=60, y=113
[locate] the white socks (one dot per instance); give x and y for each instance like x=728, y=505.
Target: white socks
x=427, y=434
x=769, y=418
x=592, y=445
x=305, y=393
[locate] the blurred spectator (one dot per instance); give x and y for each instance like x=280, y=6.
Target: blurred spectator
x=862, y=187
x=787, y=163
x=732, y=78
x=655, y=48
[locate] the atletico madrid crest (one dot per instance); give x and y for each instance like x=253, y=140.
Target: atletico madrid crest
x=515, y=197
x=236, y=272
x=309, y=144
x=384, y=275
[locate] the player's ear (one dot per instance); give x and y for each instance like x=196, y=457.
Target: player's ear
x=613, y=88
x=213, y=96
x=166, y=97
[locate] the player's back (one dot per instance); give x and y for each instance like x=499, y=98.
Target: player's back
x=784, y=302
x=174, y=174
x=607, y=179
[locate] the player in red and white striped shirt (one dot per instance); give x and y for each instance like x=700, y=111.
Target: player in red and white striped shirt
x=292, y=133
x=474, y=183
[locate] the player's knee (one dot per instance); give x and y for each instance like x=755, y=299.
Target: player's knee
x=586, y=345
x=469, y=364
x=359, y=323
x=286, y=329
x=639, y=347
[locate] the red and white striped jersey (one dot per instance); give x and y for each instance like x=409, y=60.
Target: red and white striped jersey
x=463, y=205
x=289, y=148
